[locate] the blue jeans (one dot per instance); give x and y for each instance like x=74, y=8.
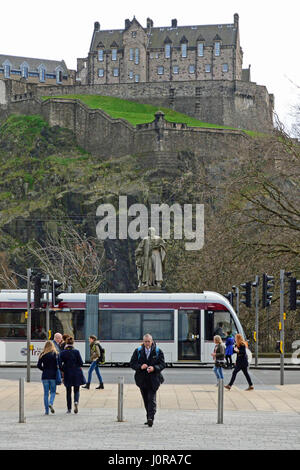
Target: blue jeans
x=49, y=386
x=218, y=372
x=94, y=366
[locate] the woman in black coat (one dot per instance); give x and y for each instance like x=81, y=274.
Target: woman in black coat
x=48, y=364
x=70, y=363
x=241, y=362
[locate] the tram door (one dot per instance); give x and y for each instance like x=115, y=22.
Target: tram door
x=189, y=335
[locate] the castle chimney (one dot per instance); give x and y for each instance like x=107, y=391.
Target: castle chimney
x=174, y=23
x=127, y=23
x=236, y=20
x=96, y=26
x=149, y=23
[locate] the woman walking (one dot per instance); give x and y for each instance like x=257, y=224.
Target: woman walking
x=95, y=354
x=218, y=355
x=70, y=363
x=48, y=364
x=241, y=362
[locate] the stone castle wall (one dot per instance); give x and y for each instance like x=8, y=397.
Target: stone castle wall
x=243, y=105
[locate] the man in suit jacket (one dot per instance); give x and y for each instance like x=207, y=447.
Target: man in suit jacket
x=148, y=362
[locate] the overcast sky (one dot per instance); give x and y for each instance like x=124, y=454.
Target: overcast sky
x=62, y=29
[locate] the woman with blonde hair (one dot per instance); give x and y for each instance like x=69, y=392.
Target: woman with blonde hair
x=48, y=364
x=241, y=362
x=218, y=355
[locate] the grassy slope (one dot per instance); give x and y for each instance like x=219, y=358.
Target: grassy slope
x=137, y=113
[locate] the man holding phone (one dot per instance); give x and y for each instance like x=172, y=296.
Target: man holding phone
x=148, y=362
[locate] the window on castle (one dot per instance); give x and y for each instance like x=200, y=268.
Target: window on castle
x=191, y=69
x=183, y=50
x=207, y=68
x=160, y=70
x=6, y=71
x=133, y=34
x=225, y=68
x=42, y=74
x=131, y=54
x=217, y=49
x=137, y=56
x=116, y=72
x=100, y=72
x=25, y=71
x=136, y=78
x=130, y=74
x=175, y=69
x=200, y=49
x=101, y=55
x=59, y=76
x=114, y=54
x=167, y=51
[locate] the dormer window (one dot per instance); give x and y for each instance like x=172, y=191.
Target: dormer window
x=42, y=73
x=59, y=76
x=167, y=51
x=217, y=48
x=114, y=54
x=24, y=71
x=184, y=50
x=200, y=49
x=101, y=55
x=6, y=70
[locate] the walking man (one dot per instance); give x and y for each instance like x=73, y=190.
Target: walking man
x=148, y=362
x=95, y=354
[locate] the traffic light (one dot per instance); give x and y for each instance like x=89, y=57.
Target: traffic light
x=40, y=288
x=266, y=285
x=247, y=293
x=55, y=292
x=229, y=296
x=294, y=303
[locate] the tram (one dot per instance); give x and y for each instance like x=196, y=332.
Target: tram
x=182, y=324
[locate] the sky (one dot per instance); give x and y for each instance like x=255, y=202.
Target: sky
x=62, y=29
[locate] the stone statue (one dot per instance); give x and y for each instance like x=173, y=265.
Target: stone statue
x=150, y=258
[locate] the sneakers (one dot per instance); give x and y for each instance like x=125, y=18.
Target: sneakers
x=100, y=386
x=76, y=407
x=51, y=409
x=249, y=388
x=227, y=386
x=68, y=412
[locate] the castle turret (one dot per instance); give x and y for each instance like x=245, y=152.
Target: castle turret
x=236, y=20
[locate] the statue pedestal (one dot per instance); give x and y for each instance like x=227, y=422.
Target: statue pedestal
x=150, y=290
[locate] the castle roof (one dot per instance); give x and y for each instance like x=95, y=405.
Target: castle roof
x=157, y=36
x=33, y=64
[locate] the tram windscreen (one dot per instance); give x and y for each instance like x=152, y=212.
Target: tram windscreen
x=218, y=323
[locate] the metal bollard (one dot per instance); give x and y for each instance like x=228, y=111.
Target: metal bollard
x=220, y=401
x=120, y=398
x=22, y=418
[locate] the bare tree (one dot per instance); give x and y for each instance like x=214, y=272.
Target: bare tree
x=72, y=258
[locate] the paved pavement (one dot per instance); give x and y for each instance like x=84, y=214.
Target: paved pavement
x=266, y=418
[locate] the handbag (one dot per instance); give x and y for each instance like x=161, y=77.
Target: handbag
x=58, y=379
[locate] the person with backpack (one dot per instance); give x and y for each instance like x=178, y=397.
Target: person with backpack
x=148, y=361
x=96, y=352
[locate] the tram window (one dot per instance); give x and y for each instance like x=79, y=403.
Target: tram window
x=218, y=323
x=132, y=325
x=12, y=324
x=125, y=326
x=69, y=323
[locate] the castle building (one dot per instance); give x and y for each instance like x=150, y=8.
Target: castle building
x=163, y=54
x=38, y=71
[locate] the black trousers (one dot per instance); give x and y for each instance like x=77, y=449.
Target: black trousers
x=149, y=397
x=228, y=360
x=237, y=369
x=69, y=396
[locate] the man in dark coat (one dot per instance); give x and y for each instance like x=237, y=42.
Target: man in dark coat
x=148, y=362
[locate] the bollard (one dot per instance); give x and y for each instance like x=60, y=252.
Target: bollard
x=120, y=398
x=21, y=401
x=220, y=401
